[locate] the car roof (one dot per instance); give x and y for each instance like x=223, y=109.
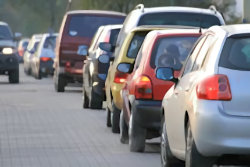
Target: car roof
x=157, y=27
x=3, y=23
x=178, y=31
x=232, y=29
x=95, y=12
x=114, y=26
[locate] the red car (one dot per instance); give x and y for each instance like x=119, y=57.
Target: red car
x=76, y=33
x=143, y=92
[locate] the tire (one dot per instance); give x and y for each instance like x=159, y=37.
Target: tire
x=14, y=76
x=167, y=158
x=115, y=119
x=59, y=83
x=123, y=129
x=85, y=99
x=193, y=157
x=108, y=120
x=95, y=102
x=137, y=135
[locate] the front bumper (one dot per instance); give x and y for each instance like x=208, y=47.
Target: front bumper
x=8, y=62
x=216, y=133
x=147, y=114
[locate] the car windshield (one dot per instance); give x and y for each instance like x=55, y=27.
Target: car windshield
x=236, y=54
x=172, y=51
x=50, y=43
x=86, y=26
x=135, y=44
x=184, y=19
x=5, y=32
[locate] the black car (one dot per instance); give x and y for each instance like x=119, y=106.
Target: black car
x=9, y=62
x=96, y=66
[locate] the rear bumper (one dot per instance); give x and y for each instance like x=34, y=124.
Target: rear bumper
x=8, y=63
x=99, y=85
x=46, y=67
x=216, y=133
x=147, y=114
x=117, y=99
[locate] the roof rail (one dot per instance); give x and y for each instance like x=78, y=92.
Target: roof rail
x=140, y=6
x=213, y=8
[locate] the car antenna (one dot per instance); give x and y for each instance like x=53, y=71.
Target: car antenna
x=68, y=5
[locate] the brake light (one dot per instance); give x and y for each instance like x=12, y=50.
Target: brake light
x=45, y=59
x=143, y=88
x=120, y=77
x=216, y=87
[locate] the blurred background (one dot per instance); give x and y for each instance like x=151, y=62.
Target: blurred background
x=41, y=16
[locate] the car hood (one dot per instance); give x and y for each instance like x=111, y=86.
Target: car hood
x=4, y=43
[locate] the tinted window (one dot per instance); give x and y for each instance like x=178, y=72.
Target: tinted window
x=186, y=19
x=171, y=51
x=113, y=36
x=86, y=26
x=135, y=44
x=5, y=32
x=236, y=54
x=50, y=43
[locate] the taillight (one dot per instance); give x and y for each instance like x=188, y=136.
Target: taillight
x=45, y=59
x=215, y=87
x=143, y=88
x=120, y=77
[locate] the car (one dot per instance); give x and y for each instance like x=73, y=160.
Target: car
x=206, y=113
x=43, y=59
x=184, y=16
x=143, y=91
x=96, y=66
x=76, y=32
x=116, y=80
x=9, y=62
x=22, y=46
x=28, y=54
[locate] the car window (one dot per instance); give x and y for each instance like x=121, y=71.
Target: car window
x=86, y=26
x=113, y=36
x=171, y=51
x=5, y=32
x=50, y=43
x=135, y=44
x=236, y=54
x=203, y=52
x=177, y=18
x=25, y=44
x=191, y=59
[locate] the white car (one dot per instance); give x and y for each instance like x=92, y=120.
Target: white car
x=207, y=112
x=43, y=59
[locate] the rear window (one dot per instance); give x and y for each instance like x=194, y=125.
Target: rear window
x=236, y=54
x=25, y=44
x=135, y=44
x=5, y=32
x=86, y=26
x=50, y=43
x=172, y=51
x=113, y=36
x=184, y=19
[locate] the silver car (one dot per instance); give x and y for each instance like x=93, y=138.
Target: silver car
x=206, y=114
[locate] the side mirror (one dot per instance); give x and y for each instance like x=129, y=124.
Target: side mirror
x=17, y=36
x=125, y=67
x=105, y=46
x=166, y=74
x=104, y=59
x=82, y=50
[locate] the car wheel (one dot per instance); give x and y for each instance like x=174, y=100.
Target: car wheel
x=193, y=157
x=14, y=76
x=85, y=99
x=108, y=120
x=167, y=158
x=137, y=135
x=59, y=83
x=123, y=129
x=95, y=102
x=115, y=119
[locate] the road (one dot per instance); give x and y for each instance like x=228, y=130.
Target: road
x=42, y=128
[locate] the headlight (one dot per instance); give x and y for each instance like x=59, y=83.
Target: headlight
x=8, y=51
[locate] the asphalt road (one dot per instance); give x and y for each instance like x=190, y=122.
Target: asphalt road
x=42, y=128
